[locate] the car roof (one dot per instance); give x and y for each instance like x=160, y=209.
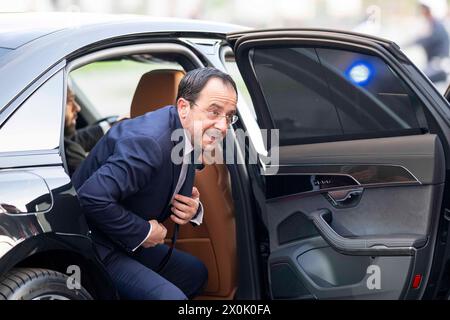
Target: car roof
x=17, y=29
x=31, y=43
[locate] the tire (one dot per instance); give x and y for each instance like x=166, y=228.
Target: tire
x=38, y=284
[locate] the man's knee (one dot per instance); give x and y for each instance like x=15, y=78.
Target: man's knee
x=199, y=276
x=198, y=269
x=203, y=273
x=167, y=291
x=149, y=287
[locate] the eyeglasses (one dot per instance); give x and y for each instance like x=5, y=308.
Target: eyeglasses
x=214, y=115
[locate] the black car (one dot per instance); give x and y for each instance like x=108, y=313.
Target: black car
x=347, y=197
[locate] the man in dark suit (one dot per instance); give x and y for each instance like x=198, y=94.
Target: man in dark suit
x=78, y=143
x=436, y=44
x=132, y=181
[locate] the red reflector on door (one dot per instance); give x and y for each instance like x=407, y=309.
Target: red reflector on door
x=417, y=280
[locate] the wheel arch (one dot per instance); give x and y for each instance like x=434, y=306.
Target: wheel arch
x=57, y=252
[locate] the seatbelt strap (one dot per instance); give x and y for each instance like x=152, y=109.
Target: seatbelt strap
x=166, y=258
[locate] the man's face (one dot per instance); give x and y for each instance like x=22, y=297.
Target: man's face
x=204, y=118
x=72, y=109
x=426, y=11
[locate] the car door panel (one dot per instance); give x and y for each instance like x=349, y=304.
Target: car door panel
x=289, y=221
x=327, y=274
x=290, y=226
x=420, y=155
x=410, y=208
x=361, y=238
x=352, y=209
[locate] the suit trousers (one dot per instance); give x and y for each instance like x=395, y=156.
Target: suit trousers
x=134, y=276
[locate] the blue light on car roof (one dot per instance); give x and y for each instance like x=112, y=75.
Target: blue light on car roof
x=360, y=73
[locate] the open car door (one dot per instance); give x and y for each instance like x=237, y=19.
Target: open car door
x=354, y=207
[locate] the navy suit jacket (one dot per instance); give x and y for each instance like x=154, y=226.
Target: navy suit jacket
x=128, y=178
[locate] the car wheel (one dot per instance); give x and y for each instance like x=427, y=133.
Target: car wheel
x=38, y=284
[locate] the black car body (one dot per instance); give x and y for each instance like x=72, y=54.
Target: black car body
x=355, y=207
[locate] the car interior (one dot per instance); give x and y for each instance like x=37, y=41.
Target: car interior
x=214, y=241
x=311, y=244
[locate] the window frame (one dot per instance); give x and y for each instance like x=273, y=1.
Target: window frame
x=111, y=53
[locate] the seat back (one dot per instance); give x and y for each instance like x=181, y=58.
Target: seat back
x=156, y=89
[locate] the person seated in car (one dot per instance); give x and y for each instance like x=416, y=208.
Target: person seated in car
x=79, y=142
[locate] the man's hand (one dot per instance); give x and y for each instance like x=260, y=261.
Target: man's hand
x=157, y=235
x=185, y=208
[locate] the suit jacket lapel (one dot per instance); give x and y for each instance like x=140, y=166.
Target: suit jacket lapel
x=176, y=168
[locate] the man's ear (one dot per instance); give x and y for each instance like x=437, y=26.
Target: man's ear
x=183, y=107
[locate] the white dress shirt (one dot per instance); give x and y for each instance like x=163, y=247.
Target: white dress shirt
x=105, y=126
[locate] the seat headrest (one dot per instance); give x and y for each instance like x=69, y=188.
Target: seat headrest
x=156, y=89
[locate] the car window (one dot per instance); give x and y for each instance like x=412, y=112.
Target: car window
x=109, y=85
x=36, y=125
x=4, y=51
x=321, y=94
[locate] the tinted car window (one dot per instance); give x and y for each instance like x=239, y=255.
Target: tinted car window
x=318, y=94
x=36, y=125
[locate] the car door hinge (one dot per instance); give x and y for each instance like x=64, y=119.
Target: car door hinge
x=264, y=249
x=447, y=214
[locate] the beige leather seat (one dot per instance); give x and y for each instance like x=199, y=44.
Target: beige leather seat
x=156, y=89
x=214, y=241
